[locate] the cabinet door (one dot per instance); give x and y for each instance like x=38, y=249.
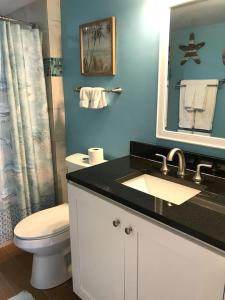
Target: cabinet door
x=171, y=267
x=131, y=255
x=97, y=246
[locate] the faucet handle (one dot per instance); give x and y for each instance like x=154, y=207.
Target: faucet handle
x=164, y=167
x=197, y=177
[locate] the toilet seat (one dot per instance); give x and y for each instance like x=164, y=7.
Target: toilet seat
x=44, y=224
x=29, y=244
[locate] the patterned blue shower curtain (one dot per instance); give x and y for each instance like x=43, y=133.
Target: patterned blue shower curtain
x=26, y=173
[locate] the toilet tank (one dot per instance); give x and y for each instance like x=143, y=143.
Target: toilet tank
x=76, y=162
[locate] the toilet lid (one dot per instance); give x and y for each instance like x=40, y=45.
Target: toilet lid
x=45, y=223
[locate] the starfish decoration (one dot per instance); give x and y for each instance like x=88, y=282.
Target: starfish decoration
x=191, y=50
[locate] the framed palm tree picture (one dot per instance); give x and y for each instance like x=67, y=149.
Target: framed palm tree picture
x=97, y=47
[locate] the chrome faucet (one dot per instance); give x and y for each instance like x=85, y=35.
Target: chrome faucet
x=164, y=169
x=181, y=163
x=198, y=177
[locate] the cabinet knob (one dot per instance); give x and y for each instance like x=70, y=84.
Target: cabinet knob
x=116, y=223
x=128, y=230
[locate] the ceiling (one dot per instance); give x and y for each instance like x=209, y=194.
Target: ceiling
x=203, y=12
x=9, y=6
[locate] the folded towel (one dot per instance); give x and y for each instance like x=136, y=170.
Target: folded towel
x=85, y=96
x=98, y=99
x=186, y=117
x=204, y=119
x=189, y=95
x=195, y=94
x=200, y=96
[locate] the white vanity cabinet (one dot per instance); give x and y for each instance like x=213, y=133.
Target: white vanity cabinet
x=119, y=255
x=98, y=248
x=172, y=267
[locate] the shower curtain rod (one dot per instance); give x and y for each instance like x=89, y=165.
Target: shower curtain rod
x=33, y=25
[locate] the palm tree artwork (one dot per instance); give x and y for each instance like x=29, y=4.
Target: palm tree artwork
x=96, y=47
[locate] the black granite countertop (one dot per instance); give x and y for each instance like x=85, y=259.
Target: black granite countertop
x=202, y=217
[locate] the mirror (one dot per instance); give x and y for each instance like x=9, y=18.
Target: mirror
x=191, y=86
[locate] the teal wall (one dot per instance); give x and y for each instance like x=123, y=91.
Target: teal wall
x=211, y=67
x=131, y=116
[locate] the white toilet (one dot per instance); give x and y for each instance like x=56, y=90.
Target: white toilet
x=46, y=235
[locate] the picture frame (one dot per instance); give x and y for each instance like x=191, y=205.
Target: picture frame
x=97, y=47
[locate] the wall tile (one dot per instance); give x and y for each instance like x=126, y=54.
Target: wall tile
x=35, y=12
x=53, y=66
x=45, y=43
x=59, y=124
x=62, y=196
x=55, y=38
x=57, y=92
x=49, y=91
x=53, y=7
x=60, y=151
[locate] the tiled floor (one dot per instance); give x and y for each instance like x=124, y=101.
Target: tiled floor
x=15, y=270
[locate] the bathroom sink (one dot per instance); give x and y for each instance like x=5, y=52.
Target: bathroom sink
x=161, y=188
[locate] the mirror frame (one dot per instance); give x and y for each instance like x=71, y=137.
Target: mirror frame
x=161, y=132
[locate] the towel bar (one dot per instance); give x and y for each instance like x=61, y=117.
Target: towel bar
x=221, y=82
x=196, y=130
x=117, y=90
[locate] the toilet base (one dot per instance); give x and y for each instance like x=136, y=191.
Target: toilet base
x=51, y=270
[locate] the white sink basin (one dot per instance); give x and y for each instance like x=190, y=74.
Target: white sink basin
x=163, y=189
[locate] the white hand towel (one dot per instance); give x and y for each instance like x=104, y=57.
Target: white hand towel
x=98, y=99
x=189, y=94
x=204, y=119
x=85, y=96
x=186, y=118
x=195, y=94
x=200, y=95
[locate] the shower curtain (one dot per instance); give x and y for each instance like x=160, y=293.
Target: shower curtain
x=26, y=173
